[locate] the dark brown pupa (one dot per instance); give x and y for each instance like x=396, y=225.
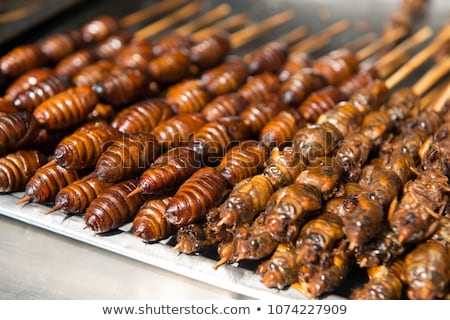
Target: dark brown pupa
x=210, y=51
x=25, y=81
x=75, y=62
x=22, y=59
x=150, y=223
x=187, y=96
x=223, y=106
x=226, y=78
x=170, y=68
x=17, y=130
x=99, y=28
x=269, y=57
x=257, y=87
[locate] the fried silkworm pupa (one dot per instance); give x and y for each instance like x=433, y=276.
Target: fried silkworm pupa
x=294, y=65
x=16, y=130
x=66, y=109
x=22, y=59
x=384, y=283
x=122, y=87
x=187, y=96
x=226, y=78
x=400, y=103
x=77, y=196
x=319, y=102
x=210, y=51
x=257, y=87
x=172, y=42
x=111, y=46
x=223, y=106
x=177, y=131
x=99, y=28
x=426, y=271
x=195, y=197
x=243, y=161
x=93, y=73
x=150, y=223
x=358, y=82
x=375, y=126
x=192, y=238
x=46, y=182
x=113, y=207
x=337, y=66
x=371, y=97
x=169, y=171
x=215, y=138
x=270, y=57
x=75, y=62
x=295, y=89
x=102, y=112
x=345, y=117
x=283, y=166
x=352, y=153
x=57, y=46
x=81, y=149
x=7, y=107
x=127, y=157
x=281, y=129
x=17, y=168
x=170, y=68
x=142, y=116
x=27, y=80
x=29, y=99
x=136, y=54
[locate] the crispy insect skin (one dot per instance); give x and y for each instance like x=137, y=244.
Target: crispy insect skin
x=370, y=97
x=170, y=68
x=27, y=80
x=426, y=271
x=358, y=82
x=283, y=166
x=22, y=59
x=169, y=171
x=337, y=66
x=345, y=117
x=294, y=65
x=257, y=87
x=7, y=107
x=142, y=116
x=127, y=157
x=77, y=196
x=99, y=28
x=18, y=167
x=226, y=78
x=243, y=161
x=93, y=73
x=281, y=129
x=58, y=46
x=270, y=57
x=187, y=96
x=400, y=104
x=213, y=140
x=150, y=223
x=122, y=87
x=113, y=208
x=66, y=109
x=111, y=46
x=172, y=42
x=211, y=51
x=136, y=54
x=320, y=102
x=176, y=131
x=223, y=106
x=16, y=130
x=81, y=149
x=201, y=192
x=75, y=62
x=32, y=97
x=102, y=112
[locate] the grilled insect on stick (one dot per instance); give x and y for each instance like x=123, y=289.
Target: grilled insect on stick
x=27, y=80
x=223, y=106
x=150, y=223
x=187, y=96
x=17, y=130
x=226, y=78
x=7, y=107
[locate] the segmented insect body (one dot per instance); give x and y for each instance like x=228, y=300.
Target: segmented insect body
x=6, y=106
x=223, y=106
x=172, y=42
x=66, y=109
x=320, y=102
x=22, y=59
x=370, y=97
x=400, y=103
x=375, y=126
x=136, y=54
x=177, y=131
x=81, y=149
x=345, y=117
x=99, y=28
x=215, y=138
x=187, y=96
x=195, y=197
x=357, y=82
x=27, y=80
x=337, y=66
x=60, y=45
x=270, y=57
x=352, y=153
x=102, y=112
x=257, y=87
x=113, y=207
x=122, y=87
x=150, y=223
x=112, y=45
x=16, y=130
x=192, y=238
x=295, y=89
x=18, y=167
x=30, y=98
x=75, y=62
x=294, y=65
x=243, y=161
x=281, y=129
x=226, y=78
x=169, y=171
x=142, y=116
x=170, y=68
x=283, y=166
x=426, y=271
x=93, y=73
x=127, y=157
x=210, y=51
x=77, y=196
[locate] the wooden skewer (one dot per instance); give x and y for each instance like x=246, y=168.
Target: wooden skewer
x=229, y=23
x=439, y=103
x=294, y=36
x=17, y=14
x=431, y=77
x=150, y=12
x=431, y=96
x=362, y=41
x=209, y=17
x=381, y=44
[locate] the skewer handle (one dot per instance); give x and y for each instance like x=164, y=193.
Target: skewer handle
x=150, y=12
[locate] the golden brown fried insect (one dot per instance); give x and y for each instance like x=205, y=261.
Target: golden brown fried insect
x=99, y=28
x=32, y=97
x=257, y=87
x=136, y=54
x=243, y=161
x=270, y=57
x=226, y=78
x=122, y=87
x=66, y=109
x=113, y=207
x=295, y=89
x=81, y=149
x=376, y=125
x=102, y=112
x=177, y=131
x=281, y=129
x=215, y=138
x=112, y=45
x=294, y=65
x=75, y=62
x=6, y=106
x=192, y=238
x=93, y=73
x=27, y=80
x=283, y=166
x=60, y=45
x=223, y=106
x=352, y=153
x=150, y=223
x=22, y=59
x=17, y=168
x=195, y=197
x=187, y=96
x=127, y=157
x=210, y=51
x=17, y=130
x=345, y=117
x=77, y=196
x=172, y=42
x=337, y=66
x=426, y=271
x=320, y=102
x=400, y=104
x=142, y=116
x=357, y=82
x=371, y=97
x=170, y=68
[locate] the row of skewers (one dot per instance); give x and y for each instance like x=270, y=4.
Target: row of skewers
x=310, y=166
